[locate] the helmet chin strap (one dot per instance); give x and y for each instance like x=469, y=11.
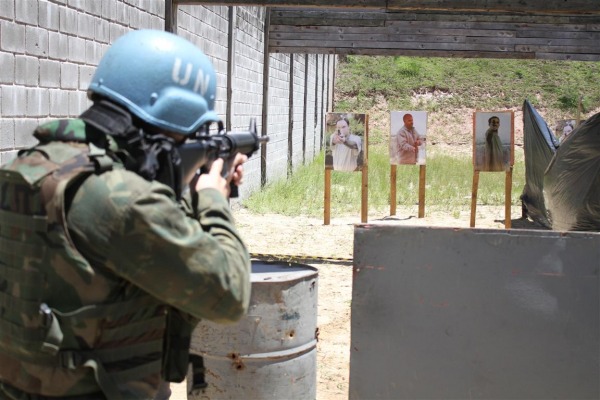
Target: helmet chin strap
x=152, y=156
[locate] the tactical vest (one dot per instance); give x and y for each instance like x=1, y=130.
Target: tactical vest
x=58, y=335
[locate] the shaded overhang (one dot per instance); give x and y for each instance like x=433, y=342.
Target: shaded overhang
x=525, y=29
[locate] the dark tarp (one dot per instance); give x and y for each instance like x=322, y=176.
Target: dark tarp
x=572, y=180
x=539, y=146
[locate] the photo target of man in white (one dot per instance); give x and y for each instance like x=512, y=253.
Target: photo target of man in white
x=345, y=147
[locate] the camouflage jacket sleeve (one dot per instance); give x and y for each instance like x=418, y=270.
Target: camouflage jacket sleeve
x=137, y=229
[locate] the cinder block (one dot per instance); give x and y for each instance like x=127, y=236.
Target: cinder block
x=101, y=30
x=37, y=102
x=156, y=8
x=94, y=7
x=85, y=25
x=12, y=38
x=94, y=52
x=36, y=41
x=121, y=14
x=76, y=49
x=116, y=31
x=58, y=46
x=78, y=102
x=26, y=12
x=135, y=18
x=24, y=128
x=7, y=72
x=49, y=73
x=59, y=103
x=156, y=22
x=13, y=101
x=69, y=76
x=7, y=133
x=48, y=15
x=68, y=21
x=108, y=9
x=7, y=10
x=85, y=76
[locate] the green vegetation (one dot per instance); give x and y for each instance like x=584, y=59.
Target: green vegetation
x=449, y=182
x=468, y=83
x=362, y=82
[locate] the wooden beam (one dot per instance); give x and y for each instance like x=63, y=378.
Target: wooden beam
x=358, y=4
x=522, y=6
x=489, y=6
x=327, y=17
x=437, y=34
x=430, y=53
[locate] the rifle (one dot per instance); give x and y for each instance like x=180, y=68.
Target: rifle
x=198, y=154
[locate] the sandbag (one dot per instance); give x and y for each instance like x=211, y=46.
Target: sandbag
x=572, y=180
x=539, y=145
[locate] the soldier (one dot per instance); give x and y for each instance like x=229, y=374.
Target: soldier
x=106, y=262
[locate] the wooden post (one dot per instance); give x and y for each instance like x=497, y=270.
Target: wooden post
x=327, y=205
x=364, y=210
x=474, y=197
x=171, y=16
x=393, y=189
x=422, y=175
x=264, y=123
x=231, y=67
x=507, y=198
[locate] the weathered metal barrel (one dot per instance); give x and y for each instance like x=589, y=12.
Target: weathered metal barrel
x=271, y=352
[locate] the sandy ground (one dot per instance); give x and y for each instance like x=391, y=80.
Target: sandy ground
x=309, y=241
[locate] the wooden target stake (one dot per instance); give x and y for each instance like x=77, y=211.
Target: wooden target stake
x=422, y=182
x=393, y=190
x=327, y=198
x=422, y=174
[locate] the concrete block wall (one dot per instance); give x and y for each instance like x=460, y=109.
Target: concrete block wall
x=49, y=50
x=207, y=28
x=278, y=116
x=297, y=109
x=247, y=87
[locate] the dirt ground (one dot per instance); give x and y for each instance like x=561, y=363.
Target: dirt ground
x=308, y=241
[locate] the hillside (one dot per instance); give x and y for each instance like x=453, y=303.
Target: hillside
x=450, y=90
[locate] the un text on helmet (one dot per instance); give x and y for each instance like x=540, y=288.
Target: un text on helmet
x=201, y=83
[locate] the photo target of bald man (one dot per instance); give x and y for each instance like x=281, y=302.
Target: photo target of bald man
x=408, y=132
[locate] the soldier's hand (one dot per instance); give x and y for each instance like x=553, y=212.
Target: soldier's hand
x=213, y=179
x=236, y=173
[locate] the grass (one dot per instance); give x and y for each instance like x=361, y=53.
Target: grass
x=467, y=83
x=448, y=187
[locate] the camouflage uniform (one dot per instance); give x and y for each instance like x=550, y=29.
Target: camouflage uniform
x=95, y=262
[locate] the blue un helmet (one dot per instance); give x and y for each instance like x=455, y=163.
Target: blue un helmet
x=161, y=78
